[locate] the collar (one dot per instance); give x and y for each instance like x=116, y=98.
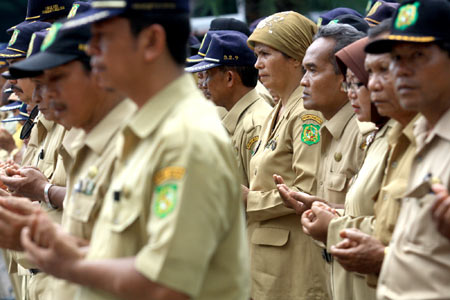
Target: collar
x=147, y=119
x=293, y=101
x=439, y=130
x=339, y=121
x=231, y=118
x=98, y=138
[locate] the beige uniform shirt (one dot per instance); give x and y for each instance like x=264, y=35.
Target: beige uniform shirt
x=243, y=122
x=359, y=202
x=387, y=206
x=264, y=93
x=89, y=179
x=43, y=153
x=417, y=265
x=285, y=263
x=175, y=200
x=342, y=154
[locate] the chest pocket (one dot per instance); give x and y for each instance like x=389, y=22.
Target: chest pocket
x=122, y=209
x=270, y=236
x=81, y=207
x=337, y=182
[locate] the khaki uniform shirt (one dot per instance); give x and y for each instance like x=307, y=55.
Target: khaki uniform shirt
x=359, y=202
x=89, y=179
x=417, y=265
x=285, y=262
x=264, y=93
x=175, y=200
x=43, y=153
x=243, y=122
x=342, y=154
x=387, y=206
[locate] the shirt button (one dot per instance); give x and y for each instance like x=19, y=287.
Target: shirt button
x=321, y=182
x=394, y=164
x=338, y=156
x=255, y=171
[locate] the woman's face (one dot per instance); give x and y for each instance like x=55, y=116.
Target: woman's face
x=359, y=97
x=274, y=69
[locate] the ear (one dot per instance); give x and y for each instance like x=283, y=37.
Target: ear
x=151, y=41
x=230, y=78
x=342, y=84
x=296, y=63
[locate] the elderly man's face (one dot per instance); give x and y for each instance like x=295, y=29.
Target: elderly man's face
x=321, y=83
x=421, y=75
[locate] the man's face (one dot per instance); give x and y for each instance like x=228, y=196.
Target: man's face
x=216, y=81
x=201, y=84
x=113, y=55
x=41, y=97
x=421, y=73
x=381, y=84
x=321, y=83
x=71, y=91
x=24, y=89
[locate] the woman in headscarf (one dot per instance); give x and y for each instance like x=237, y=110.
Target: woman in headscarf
x=285, y=263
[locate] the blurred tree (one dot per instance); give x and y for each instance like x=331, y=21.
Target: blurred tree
x=12, y=12
x=260, y=8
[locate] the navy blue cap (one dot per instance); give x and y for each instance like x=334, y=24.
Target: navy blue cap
x=47, y=9
x=416, y=21
x=105, y=9
x=22, y=116
x=330, y=15
x=352, y=20
x=380, y=11
x=11, y=106
x=36, y=41
x=3, y=61
x=43, y=10
x=218, y=24
x=370, y=4
x=227, y=48
x=20, y=40
x=60, y=46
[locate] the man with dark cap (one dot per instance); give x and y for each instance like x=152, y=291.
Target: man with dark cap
x=417, y=261
x=167, y=230
x=231, y=79
x=99, y=112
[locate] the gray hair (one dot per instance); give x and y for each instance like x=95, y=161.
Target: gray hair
x=343, y=34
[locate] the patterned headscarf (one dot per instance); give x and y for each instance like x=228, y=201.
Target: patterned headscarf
x=288, y=32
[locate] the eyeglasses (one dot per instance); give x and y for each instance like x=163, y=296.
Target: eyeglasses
x=353, y=86
x=29, y=124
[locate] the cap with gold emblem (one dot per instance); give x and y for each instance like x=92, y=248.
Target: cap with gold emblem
x=416, y=21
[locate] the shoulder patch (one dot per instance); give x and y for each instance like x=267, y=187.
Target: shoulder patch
x=165, y=200
x=310, y=134
x=314, y=118
x=252, y=141
x=168, y=173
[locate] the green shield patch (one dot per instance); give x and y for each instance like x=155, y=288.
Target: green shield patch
x=310, y=134
x=165, y=201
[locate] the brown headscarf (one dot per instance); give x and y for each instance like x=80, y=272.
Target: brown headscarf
x=288, y=32
x=353, y=57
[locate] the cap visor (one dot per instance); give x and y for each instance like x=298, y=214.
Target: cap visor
x=92, y=16
x=34, y=65
x=202, y=66
x=16, y=118
x=7, y=75
x=7, y=53
x=11, y=106
x=385, y=45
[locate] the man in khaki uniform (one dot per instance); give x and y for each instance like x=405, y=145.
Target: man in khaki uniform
x=101, y=116
x=417, y=263
x=166, y=228
x=231, y=79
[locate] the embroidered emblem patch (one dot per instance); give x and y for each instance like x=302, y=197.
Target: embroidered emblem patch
x=407, y=16
x=166, y=198
x=313, y=118
x=252, y=141
x=310, y=134
x=51, y=35
x=374, y=8
x=168, y=173
x=73, y=11
x=13, y=37
x=31, y=45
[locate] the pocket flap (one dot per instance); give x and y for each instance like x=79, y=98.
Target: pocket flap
x=270, y=236
x=337, y=182
x=80, y=207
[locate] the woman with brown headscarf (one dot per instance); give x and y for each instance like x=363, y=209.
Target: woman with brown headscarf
x=285, y=263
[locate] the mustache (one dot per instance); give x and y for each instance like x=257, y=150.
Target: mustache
x=16, y=88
